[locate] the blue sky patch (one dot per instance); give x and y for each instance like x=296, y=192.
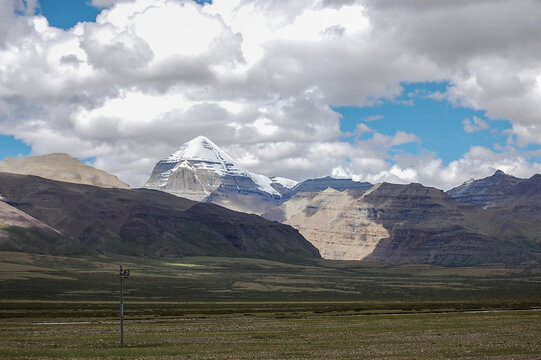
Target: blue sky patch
x=65, y=14
x=88, y=161
x=9, y=146
x=439, y=124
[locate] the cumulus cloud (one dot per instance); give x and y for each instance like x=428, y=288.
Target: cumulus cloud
x=106, y=3
x=260, y=78
x=428, y=169
x=474, y=125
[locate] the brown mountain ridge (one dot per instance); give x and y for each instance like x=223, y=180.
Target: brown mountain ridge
x=410, y=224
x=143, y=222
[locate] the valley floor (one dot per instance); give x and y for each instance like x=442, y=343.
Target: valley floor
x=224, y=308
x=499, y=335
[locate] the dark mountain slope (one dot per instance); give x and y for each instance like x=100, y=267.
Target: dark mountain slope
x=521, y=196
x=411, y=224
x=428, y=226
x=486, y=192
x=21, y=232
x=321, y=184
x=147, y=222
x=524, y=199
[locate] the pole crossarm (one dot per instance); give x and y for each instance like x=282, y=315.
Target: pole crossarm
x=125, y=274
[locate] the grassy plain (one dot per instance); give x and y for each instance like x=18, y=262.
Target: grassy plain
x=505, y=335
x=223, y=308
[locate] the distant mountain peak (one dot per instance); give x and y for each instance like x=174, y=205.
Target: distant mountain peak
x=61, y=167
x=201, y=153
x=468, y=182
x=199, y=170
x=485, y=192
x=203, y=149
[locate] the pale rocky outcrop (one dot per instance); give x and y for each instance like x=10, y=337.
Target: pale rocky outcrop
x=337, y=223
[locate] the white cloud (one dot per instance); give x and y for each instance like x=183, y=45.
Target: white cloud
x=402, y=138
x=373, y=118
x=475, y=124
x=259, y=77
x=429, y=170
x=362, y=128
x=100, y=4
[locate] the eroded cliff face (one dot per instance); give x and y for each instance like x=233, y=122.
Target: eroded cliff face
x=409, y=224
x=521, y=196
x=524, y=199
x=340, y=224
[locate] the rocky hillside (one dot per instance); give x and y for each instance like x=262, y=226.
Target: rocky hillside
x=21, y=232
x=524, y=199
x=146, y=222
x=487, y=192
x=521, y=196
x=410, y=224
x=61, y=167
x=334, y=222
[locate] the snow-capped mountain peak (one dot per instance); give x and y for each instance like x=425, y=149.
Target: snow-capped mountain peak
x=199, y=168
x=200, y=148
x=202, y=153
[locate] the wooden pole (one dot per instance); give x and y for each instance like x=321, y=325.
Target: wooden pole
x=121, y=309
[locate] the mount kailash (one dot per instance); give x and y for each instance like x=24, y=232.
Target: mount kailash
x=350, y=220
x=199, y=170
x=490, y=221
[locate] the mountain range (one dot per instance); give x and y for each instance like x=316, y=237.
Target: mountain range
x=410, y=224
x=63, y=218
x=521, y=196
x=199, y=170
x=490, y=221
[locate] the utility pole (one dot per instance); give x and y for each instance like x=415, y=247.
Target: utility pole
x=123, y=275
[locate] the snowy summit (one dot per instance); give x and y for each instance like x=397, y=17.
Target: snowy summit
x=200, y=170
x=202, y=153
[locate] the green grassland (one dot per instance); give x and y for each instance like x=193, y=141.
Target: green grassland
x=225, y=308
x=502, y=335
x=33, y=284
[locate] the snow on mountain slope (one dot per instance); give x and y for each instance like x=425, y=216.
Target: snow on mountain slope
x=207, y=155
x=199, y=168
x=288, y=183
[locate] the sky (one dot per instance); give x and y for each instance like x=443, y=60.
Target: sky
x=428, y=91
